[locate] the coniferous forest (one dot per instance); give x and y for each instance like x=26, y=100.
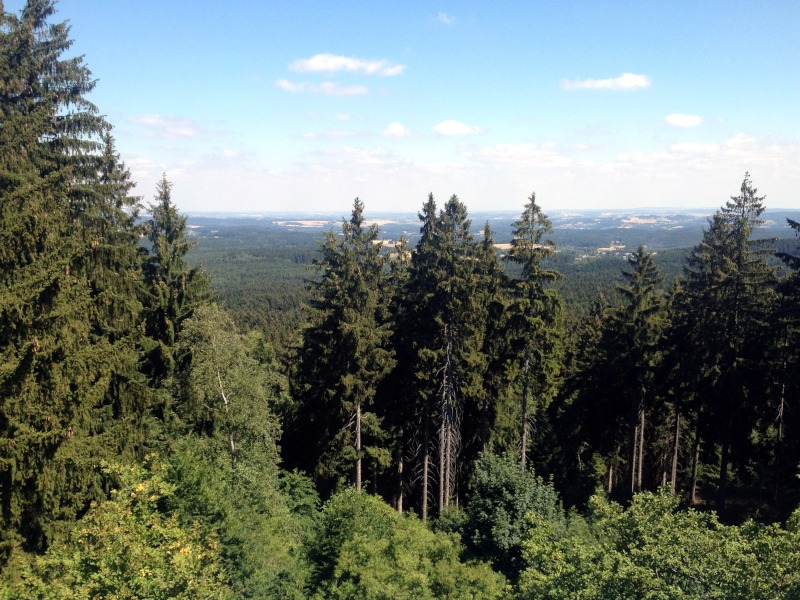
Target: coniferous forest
x=437, y=424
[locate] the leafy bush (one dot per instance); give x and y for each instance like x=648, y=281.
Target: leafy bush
x=364, y=549
x=501, y=495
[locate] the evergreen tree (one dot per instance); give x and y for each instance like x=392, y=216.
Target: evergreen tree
x=344, y=356
x=67, y=321
x=638, y=329
x=535, y=320
x=174, y=289
x=724, y=310
x=449, y=316
x=396, y=409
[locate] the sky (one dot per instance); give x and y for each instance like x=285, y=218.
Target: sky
x=276, y=106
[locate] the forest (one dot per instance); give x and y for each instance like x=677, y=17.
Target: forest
x=436, y=420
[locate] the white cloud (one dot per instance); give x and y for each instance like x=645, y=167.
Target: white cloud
x=166, y=127
x=445, y=19
x=342, y=117
x=451, y=127
x=332, y=63
x=397, y=130
x=326, y=87
x=681, y=120
x=626, y=81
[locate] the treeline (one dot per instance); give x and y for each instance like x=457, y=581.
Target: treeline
x=418, y=361
x=151, y=448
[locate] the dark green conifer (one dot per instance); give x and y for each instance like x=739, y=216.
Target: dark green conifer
x=727, y=299
x=343, y=358
x=67, y=317
x=535, y=319
x=174, y=289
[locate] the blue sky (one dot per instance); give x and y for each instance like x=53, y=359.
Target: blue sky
x=275, y=106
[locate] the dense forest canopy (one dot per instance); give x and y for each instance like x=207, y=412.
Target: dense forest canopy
x=431, y=419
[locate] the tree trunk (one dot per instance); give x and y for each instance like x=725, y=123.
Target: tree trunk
x=484, y=424
x=231, y=434
x=722, y=491
x=442, y=460
x=523, y=426
x=641, y=450
x=358, y=446
x=634, y=455
x=449, y=422
x=674, y=476
x=695, y=463
x=400, y=484
x=425, y=459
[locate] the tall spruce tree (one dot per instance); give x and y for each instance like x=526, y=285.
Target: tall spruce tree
x=727, y=298
x=66, y=318
x=638, y=328
x=343, y=358
x=173, y=289
x=449, y=317
x=397, y=410
x=536, y=315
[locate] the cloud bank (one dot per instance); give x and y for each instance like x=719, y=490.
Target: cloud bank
x=334, y=63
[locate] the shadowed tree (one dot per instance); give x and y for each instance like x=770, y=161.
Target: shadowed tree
x=535, y=318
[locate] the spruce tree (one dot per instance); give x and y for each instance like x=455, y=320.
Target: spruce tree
x=448, y=316
x=67, y=316
x=727, y=299
x=536, y=315
x=343, y=358
x=173, y=289
x=638, y=328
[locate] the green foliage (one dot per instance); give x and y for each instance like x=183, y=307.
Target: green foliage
x=655, y=550
x=366, y=550
x=225, y=460
x=70, y=392
x=343, y=358
x=723, y=331
x=501, y=495
x=126, y=547
x=535, y=318
x=174, y=289
x=261, y=525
